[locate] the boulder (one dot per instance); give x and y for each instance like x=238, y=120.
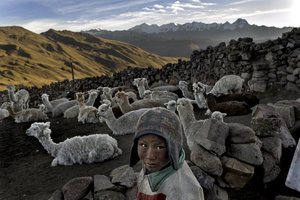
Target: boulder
x=77, y=188
x=249, y=153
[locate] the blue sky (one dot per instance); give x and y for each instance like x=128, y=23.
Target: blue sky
x=76, y=15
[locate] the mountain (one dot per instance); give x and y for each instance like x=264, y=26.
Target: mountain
x=37, y=59
x=182, y=39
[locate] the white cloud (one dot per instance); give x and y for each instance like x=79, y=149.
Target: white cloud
x=158, y=6
x=241, y=2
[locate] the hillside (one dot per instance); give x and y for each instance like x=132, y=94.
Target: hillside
x=37, y=59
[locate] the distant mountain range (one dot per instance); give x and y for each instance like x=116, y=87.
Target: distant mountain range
x=37, y=59
x=181, y=40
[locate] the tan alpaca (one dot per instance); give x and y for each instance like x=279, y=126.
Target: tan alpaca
x=29, y=115
x=87, y=114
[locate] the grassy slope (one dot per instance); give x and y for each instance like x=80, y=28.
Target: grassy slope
x=37, y=59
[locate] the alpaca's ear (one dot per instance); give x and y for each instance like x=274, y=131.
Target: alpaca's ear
x=166, y=104
x=46, y=125
x=224, y=114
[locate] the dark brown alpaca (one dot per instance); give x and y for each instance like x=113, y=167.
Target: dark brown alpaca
x=249, y=98
x=231, y=108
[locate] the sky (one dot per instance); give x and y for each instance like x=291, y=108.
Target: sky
x=77, y=15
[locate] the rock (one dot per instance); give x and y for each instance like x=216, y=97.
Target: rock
x=203, y=178
x=124, y=176
x=271, y=170
x=109, y=195
x=293, y=177
x=281, y=197
x=264, y=111
x=239, y=133
x=131, y=193
x=257, y=86
x=216, y=193
x=294, y=103
x=266, y=126
x=77, y=188
x=102, y=182
x=208, y=162
x=57, y=195
x=236, y=173
x=213, y=134
x=286, y=112
x=273, y=146
x=249, y=153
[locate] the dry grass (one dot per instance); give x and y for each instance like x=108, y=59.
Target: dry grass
x=38, y=59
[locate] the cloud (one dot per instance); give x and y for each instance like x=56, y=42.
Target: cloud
x=241, y=2
x=158, y=6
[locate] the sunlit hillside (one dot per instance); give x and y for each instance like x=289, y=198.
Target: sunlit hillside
x=37, y=59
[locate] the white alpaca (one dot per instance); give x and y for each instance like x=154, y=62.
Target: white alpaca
x=199, y=96
x=218, y=116
x=73, y=111
x=190, y=125
x=183, y=86
x=205, y=86
x=122, y=100
x=79, y=149
x=171, y=105
x=157, y=95
x=50, y=105
x=139, y=83
x=87, y=114
x=19, y=100
x=228, y=84
x=62, y=107
x=123, y=125
x=3, y=113
x=28, y=115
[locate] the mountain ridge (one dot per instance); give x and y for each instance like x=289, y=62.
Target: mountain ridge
x=177, y=40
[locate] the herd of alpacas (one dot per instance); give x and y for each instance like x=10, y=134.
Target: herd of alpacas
x=120, y=108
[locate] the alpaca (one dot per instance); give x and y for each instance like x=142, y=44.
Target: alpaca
x=62, y=107
x=250, y=98
x=123, y=125
x=199, y=96
x=183, y=86
x=218, y=116
x=156, y=95
x=190, y=125
x=231, y=108
x=3, y=113
x=207, y=88
x=28, y=115
x=78, y=149
x=122, y=100
x=139, y=83
x=50, y=105
x=19, y=100
x=171, y=105
x=227, y=84
x=86, y=113
x=73, y=111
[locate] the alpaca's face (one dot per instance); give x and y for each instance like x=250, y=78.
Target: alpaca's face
x=182, y=84
x=182, y=103
x=45, y=97
x=36, y=129
x=136, y=81
x=147, y=94
x=102, y=110
x=119, y=97
x=11, y=88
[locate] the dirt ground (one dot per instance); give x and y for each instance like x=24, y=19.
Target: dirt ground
x=25, y=171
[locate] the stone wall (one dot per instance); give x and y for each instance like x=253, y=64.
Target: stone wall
x=267, y=65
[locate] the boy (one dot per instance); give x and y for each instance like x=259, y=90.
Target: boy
x=165, y=173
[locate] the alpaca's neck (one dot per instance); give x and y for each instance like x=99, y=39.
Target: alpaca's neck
x=80, y=102
x=125, y=105
x=110, y=118
x=91, y=100
x=11, y=112
x=47, y=103
x=141, y=89
x=187, y=117
x=47, y=142
x=11, y=96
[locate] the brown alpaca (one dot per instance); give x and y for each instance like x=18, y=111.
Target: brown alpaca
x=250, y=98
x=231, y=108
x=28, y=115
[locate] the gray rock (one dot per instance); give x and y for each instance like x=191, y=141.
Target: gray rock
x=102, y=182
x=109, y=195
x=207, y=161
x=77, y=188
x=257, y=86
x=240, y=133
x=271, y=169
x=124, y=176
x=286, y=112
x=216, y=193
x=249, y=153
x=131, y=193
x=266, y=126
x=273, y=146
x=293, y=177
x=294, y=103
x=203, y=178
x=57, y=195
x=236, y=173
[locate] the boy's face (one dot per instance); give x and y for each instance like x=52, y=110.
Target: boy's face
x=152, y=151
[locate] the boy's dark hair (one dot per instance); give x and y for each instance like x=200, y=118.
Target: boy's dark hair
x=164, y=123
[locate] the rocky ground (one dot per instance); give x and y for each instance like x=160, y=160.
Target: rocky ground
x=25, y=171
